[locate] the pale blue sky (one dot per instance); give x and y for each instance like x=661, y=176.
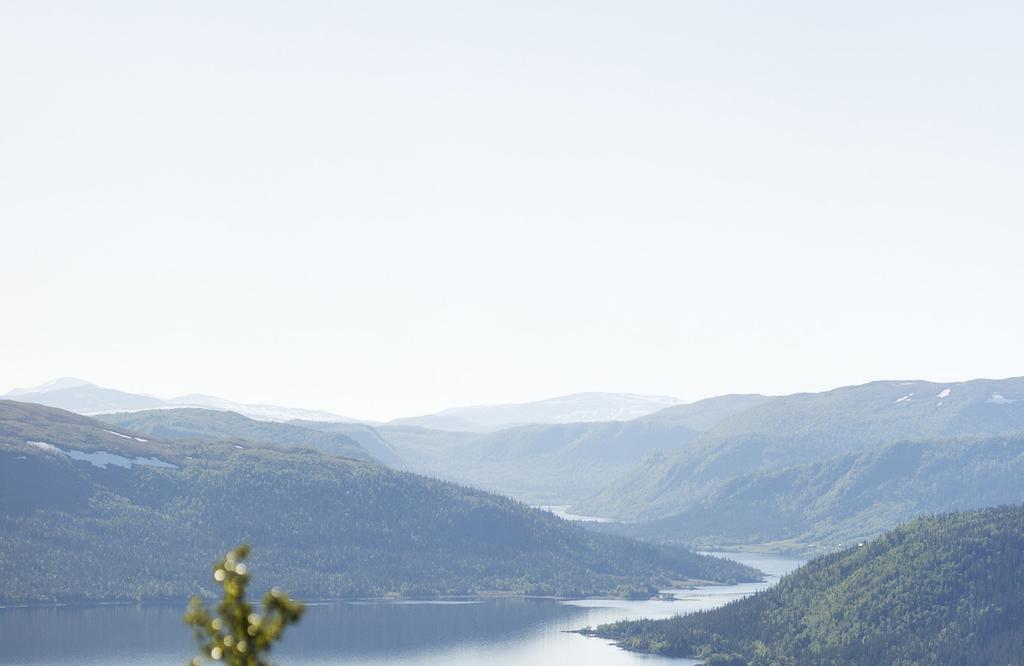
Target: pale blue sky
x=386, y=208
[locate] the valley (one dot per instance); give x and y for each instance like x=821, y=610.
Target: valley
x=390, y=511
x=328, y=526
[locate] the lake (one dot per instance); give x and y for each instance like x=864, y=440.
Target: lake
x=498, y=632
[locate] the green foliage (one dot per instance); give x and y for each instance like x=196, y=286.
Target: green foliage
x=730, y=659
x=634, y=592
x=236, y=634
x=941, y=590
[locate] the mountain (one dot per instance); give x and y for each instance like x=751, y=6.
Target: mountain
x=52, y=385
x=77, y=494
x=207, y=424
x=703, y=415
x=575, y=408
x=258, y=412
x=821, y=506
x=541, y=464
x=941, y=590
x=556, y=463
x=782, y=431
x=82, y=397
x=427, y=451
x=366, y=435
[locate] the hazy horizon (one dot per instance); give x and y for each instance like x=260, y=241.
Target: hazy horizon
x=535, y=399
x=388, y=209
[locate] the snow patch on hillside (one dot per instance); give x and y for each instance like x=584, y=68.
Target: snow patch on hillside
x=101, y=458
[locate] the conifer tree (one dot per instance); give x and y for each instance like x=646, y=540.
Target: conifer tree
x=236, y=634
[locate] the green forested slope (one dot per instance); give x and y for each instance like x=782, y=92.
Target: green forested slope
x=852, y=497
x=367, y=436
x=321, y=525
x=941, y=590
x=208, y=424
x=703, y=415
x=809, y=427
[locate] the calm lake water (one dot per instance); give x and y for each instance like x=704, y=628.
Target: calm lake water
x=497, y=632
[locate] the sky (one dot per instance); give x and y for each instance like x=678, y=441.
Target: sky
x=388, y=208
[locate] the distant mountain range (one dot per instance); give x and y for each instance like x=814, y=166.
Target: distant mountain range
x=802, y=472
x=559, y=462
x=778, y=432
x=560, y=449
x=82, y=397
x=575, y=408
x=818, y=507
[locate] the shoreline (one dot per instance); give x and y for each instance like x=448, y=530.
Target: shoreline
x=478, y=596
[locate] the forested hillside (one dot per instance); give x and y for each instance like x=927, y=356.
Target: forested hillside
x=367, y=436
x=703, y=415
x=823, y=505
x=539, y=463
x=208, y=424
x=809, y=427
x=941, y=590
x=78, y=495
